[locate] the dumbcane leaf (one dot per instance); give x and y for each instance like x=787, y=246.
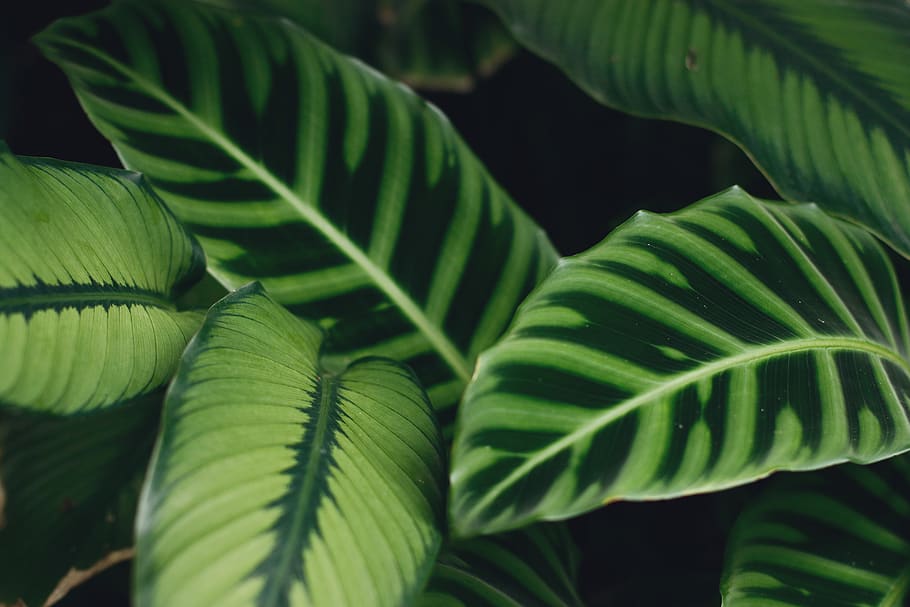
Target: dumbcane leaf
x=437, y=44
x=817, y=93
x=840, y=538
x=352, y=200
x=687, y=353
x=533, y=566
x=69, y=492
x=279, y=482
x=91, y=264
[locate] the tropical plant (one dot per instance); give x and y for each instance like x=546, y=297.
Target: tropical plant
x=406, y=388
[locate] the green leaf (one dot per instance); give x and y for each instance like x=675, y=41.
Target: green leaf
x=687, y=353
x=815, y=92
x=68, y=493
x=351, y=199
x=90, y=266
x=835, y=539
x=279, y=482
x=530, y=567
x=436, y=44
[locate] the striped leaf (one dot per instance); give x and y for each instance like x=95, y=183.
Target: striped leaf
x=279, y=482
x=533, y=567
x=90, y=266
x=352, y=200
x=68, y=492
x=430, y=44
x=817, y=92
x=687, y=353
x=835, y=539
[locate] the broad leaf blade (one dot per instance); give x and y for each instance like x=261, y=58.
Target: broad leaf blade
x=817, y=93
x=840, y=538
x=352, y=200
x=687, y=353
x=277, y=482
x=70, y=487
x=534, y=566
x=90, y=266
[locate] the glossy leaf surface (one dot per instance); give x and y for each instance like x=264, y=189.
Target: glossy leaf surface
x=687, y=353
x=817, y=92
x=352, y=200
x=840, y=538
x=278, y=482
x=69, y=492
x=536, y=566
x=91, y=264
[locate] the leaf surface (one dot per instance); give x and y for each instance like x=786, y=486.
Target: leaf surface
x=687, y=353
x=278, y=482
x=838, y=538
x=91, y=263
x=817, y=92
x=68, y=492
x=536, y=566
x=352, y=200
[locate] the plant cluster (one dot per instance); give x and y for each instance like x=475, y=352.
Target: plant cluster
x=406, y=389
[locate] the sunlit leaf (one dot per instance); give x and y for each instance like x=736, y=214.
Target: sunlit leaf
x=687, y=353
x=277, y=481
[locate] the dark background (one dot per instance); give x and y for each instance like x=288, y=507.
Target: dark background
x=579, y=169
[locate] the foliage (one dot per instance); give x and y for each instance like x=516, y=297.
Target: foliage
x=405, y=380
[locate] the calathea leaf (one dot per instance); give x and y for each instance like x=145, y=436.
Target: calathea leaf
x=815, y=91
x=533, y=566
x=279, y=482
x=352, y=200
x=90, y=266
x=838, y=538
x=437, y=44
x=687, y=353
x=69, y=490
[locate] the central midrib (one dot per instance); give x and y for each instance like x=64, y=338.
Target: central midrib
x=385, y=283
x=306, y=500
x=684, y=379
x=29, y=299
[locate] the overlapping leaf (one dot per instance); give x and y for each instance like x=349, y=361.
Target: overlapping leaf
x=352, y=200
x=534, y=566
x=687, y=353
x=840, y=538
x=279, y=482
x=69, y=492
x=438, y=44
x=90, y=265
x=816, y=91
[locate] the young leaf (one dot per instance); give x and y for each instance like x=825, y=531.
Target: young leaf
x=533, y=566
x=687, y=353
x=69, y=488
x=817, y=93
x=90, y=266
x=840, y=538
x=279, y=482
x=352, y=200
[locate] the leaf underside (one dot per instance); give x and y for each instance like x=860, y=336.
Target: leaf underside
x=277, y=482
x=817, y=92
x=687, y=353
x=833, y=539
x=91, y=264
x=349, y=198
